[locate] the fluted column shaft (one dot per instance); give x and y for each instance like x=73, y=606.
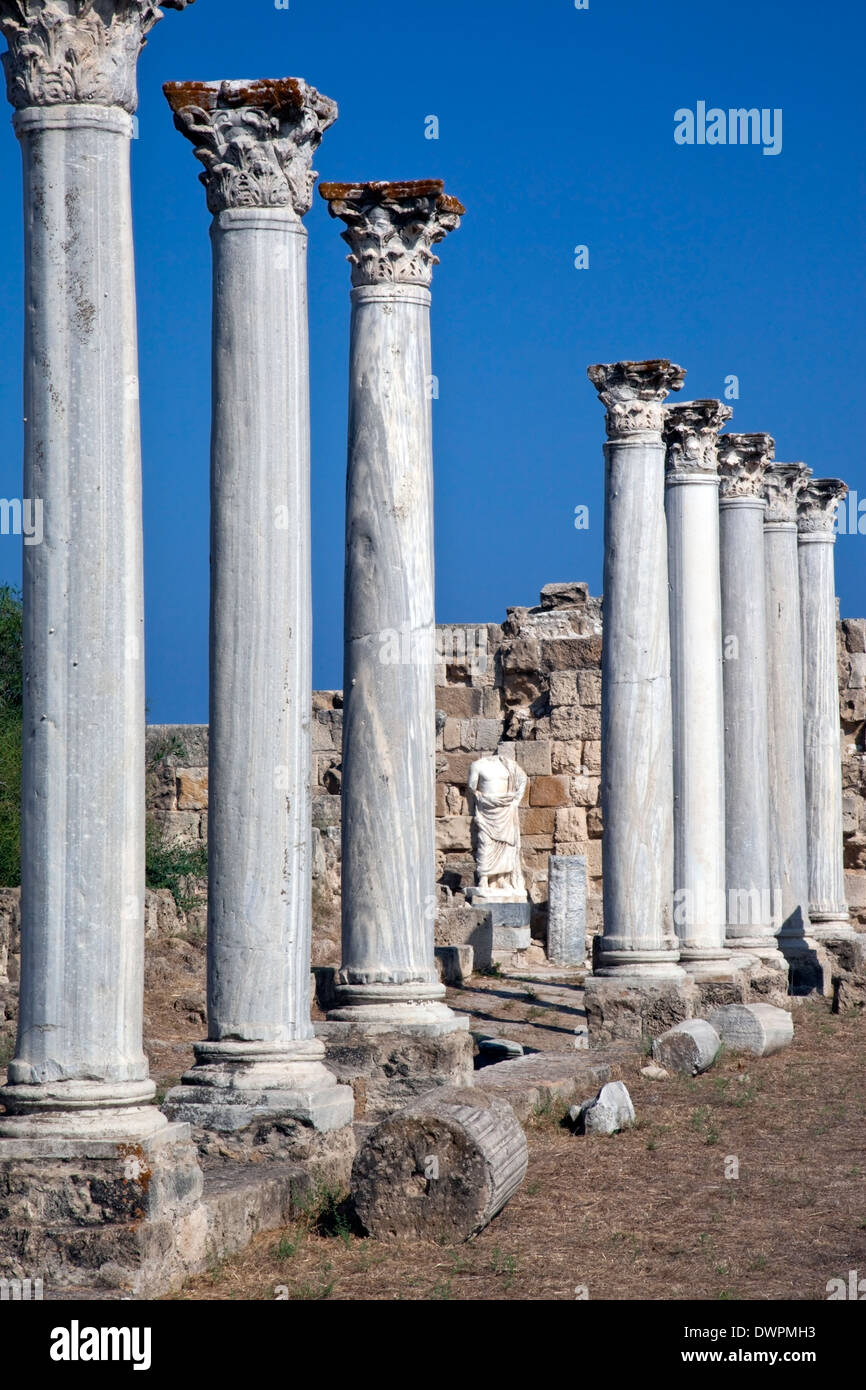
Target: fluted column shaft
x=743, y=460
x=637, y=779
x=789, y=876
x=388, y=972
x=828, y=908
x=79, y=1066
x=260, y=1037
x=692, y=510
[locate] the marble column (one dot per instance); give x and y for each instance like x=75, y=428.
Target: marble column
x=79, y=1069
x=743, y=461
x=692, y=510
x=256, y=141
x=639, y=940
x=388, y=975
x=828, y=908
x=789, y=876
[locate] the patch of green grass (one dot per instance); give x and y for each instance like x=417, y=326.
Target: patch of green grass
x=287, y=1247
x=168, y=865
x=442, y=1291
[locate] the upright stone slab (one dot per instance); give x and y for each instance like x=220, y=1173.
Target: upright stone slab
x=637, y=781
x=743, y=461
x=566, y=909
x=789, y=875
x=79, y=1069
x=261, y=1059
x=388, y=974
x=828, y=908
x=692, y=511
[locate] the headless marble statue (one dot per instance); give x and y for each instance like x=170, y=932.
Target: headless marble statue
x=497, y=785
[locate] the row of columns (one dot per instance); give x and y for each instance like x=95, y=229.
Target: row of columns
x=721, y=775
x=79, y=1068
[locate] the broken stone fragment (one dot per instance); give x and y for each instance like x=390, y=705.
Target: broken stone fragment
x=758, y=1028
x=691, y=1047
x=611, y=1111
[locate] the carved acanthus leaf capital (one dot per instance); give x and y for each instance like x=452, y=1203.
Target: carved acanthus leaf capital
x=817, y=505
x=691, y=433
x=256, y=140
x=633, y=393
x=62, y=52
x=743, y=461
x=783, y=484
x=391, y=228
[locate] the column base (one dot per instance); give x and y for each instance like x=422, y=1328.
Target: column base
x=81, y=1110
x=639, y=966
x=396, y=1007
x=91, y=1212
x=720, y=965
x=388, y=1066
x=236, y=1084
x=623, y=1007
x=831, y=926
x=763, y=948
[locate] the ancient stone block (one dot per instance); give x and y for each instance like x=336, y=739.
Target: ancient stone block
x=548, y=791
x=758, y=1028
x=563, y=688
x=533, y=755
x=566, y=913
x=192, y=789
x=589, y=687
x=566, y=757
x=570, y=823
x=458, y=701
x=454, y=832
x=537, y=820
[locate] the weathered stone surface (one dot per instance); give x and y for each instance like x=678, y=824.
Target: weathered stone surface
x=758, y=1028
x=611, y=1111
x=531, y=1083
x=388, y=1068
x=454, y=964
x=635, y=1011
x=441, y=1168
x=690, y=1047
x=566, y=915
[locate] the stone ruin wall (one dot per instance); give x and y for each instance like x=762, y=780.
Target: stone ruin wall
x=533, y=682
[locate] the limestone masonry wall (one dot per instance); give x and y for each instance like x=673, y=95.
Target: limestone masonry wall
x=533, y=682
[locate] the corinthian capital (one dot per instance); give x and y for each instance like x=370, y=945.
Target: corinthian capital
x=391, y=228
x=817, y=506
x=691, y=433
x=66, y=51
x=783, y=484
x=633, y=393
x=743, y=461
x=256, y=140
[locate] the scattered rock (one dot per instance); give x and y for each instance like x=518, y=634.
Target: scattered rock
x=654, y=1073
x=492, y=1050
x=691, y=1047
x=758, y=1028
x=611, y=1111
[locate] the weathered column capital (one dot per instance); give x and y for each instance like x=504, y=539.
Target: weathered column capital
x=391, y=228
x=816, y=511
x=743, y=461
x=691, y=433
x=256, y=140
x=633, y=393
x=65, y=52
x=783, y=484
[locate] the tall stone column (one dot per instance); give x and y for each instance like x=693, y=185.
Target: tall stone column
x=743, y=461
x=692, y=509
x=79, y=1068
x=637, y=782
x=789, y=876
x=388, y=973
x=256, y=141
x=828, y=908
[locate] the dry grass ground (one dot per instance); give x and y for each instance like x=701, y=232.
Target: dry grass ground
x=648, y=1214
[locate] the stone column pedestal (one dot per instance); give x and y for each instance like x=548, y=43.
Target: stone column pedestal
x=388, y=975
x=828, y=909
x=637, y=785
x=692, y=510
x=789, y=877
x=79, y=1069
x=743, y=461
x=261, y=1060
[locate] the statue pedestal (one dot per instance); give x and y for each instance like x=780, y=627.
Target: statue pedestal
x=509, y=918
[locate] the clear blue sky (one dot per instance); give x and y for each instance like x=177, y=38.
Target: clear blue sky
x=556, y=130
